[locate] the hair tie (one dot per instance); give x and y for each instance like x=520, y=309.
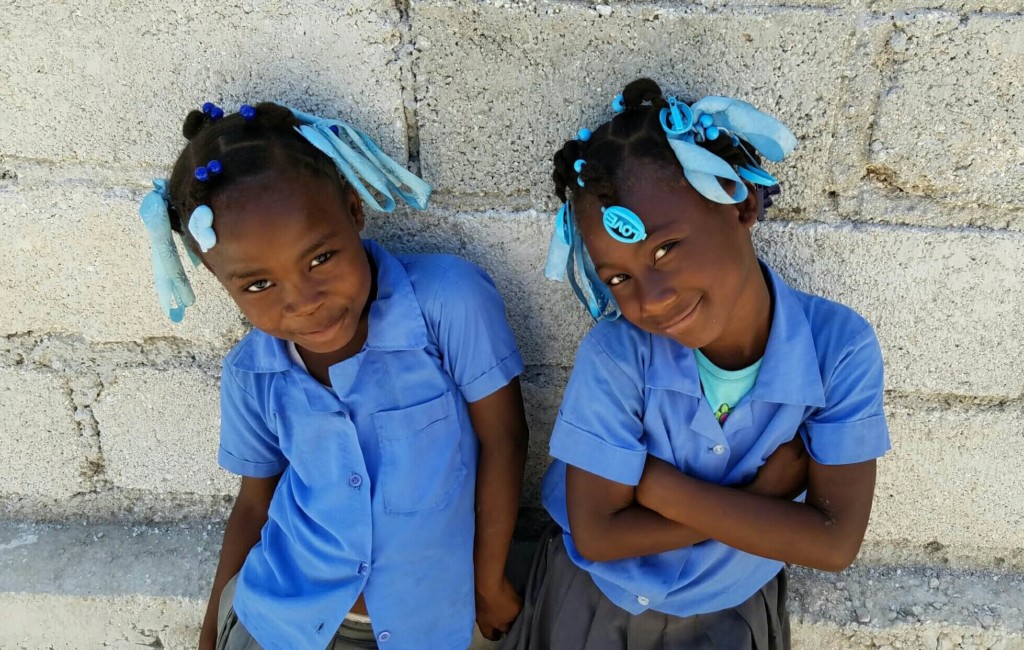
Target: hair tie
x=248, y=112
x=204, y=172
x=213, y=111
x=618, y=103
x=584, y=135
x=200, y=226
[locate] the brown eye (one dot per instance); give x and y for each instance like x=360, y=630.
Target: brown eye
x=661, y=252
x=320, y=259
x=616, y=280
x=258, y=286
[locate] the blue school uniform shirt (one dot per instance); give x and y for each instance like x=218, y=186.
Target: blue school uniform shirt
x=376, y=494
x=633, y=394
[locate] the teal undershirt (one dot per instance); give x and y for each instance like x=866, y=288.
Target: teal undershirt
x=724, y=388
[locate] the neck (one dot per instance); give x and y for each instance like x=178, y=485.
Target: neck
x=746, y=333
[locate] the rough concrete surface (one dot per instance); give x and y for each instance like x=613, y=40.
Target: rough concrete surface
x=41, y=448
x=941, y=301
x=940, y=136
x=160, y=432
x=79, y=262
x=487, y=130
x=963, y=466
x=77, y=573
x=110, y=83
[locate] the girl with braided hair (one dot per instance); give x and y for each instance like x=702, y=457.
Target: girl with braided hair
x=374, y=413
x=717, y=423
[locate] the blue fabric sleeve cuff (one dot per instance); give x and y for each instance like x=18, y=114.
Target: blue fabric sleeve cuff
x=844, y=443
x=584, y=450
x=236, y=465
x=497, y=377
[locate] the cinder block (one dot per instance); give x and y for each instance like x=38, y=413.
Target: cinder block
x=946, y=304
x=488, y=131
x=952, y=485
x=160, y=432
x=111, y=82
x=947, y=123
x=78, y=262
x=40, y=449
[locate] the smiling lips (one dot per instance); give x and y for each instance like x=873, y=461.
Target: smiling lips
x=680, y=320
x=326, y=332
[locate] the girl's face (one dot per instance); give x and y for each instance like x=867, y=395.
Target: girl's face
x=288, y=251
x=697, y=264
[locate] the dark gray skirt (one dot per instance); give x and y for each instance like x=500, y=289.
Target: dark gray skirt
x=564, y=610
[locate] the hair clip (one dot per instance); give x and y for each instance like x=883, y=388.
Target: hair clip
x=578, y=168
x=623, y=224
x=204, y=172
x=618, y=104
x=200, y=225
x=677, y=119
x=248, y=112
x=213, y=111
x=584, y=134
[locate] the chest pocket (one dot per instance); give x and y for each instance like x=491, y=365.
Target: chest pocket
x=420, y=460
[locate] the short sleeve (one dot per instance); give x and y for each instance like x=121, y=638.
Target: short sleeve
x=599, y=427
x=477, y=346
x=247, y=445
x=851, y=428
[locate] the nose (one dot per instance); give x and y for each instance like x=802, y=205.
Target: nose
x=658, y=294
x=303, y=299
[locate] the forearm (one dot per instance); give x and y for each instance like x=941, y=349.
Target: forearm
x=633, y=531
x=241, y=533
x=770, y=527
x=499, y=483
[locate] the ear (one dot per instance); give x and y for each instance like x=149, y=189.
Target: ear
x=354, y=205
x=750, y=207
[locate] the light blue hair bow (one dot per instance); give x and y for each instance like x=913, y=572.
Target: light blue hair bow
x=362, y=162
x=172, y=285
x=685, y=127
x=714, y=117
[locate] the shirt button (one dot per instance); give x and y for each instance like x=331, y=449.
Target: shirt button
x=355, y=480
x=384, y=636
x=364, y=568
x=718, y=449
x=643, y=601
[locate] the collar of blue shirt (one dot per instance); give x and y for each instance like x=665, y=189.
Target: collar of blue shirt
x=396, y=320
x=790, y=359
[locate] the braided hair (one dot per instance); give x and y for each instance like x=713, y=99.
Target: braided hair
x=634, y=134
x=246, y=148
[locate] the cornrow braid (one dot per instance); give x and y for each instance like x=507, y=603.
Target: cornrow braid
x=634, y=134
x=245, y=148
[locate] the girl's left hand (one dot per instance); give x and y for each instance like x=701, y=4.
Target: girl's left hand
x=497, y=609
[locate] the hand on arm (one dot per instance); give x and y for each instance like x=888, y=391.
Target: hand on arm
x=500, y=425
x=241, y=533
x=824, y=533
x=608, y=524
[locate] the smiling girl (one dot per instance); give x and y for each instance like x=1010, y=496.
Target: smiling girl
x=676, y=464
x=374, y=412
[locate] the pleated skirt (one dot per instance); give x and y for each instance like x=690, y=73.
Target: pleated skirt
x=564, y=610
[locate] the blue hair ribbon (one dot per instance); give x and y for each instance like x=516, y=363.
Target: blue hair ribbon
x=367, y=166
x=172, y=285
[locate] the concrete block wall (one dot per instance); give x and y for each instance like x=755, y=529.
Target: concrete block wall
x=901, y=201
